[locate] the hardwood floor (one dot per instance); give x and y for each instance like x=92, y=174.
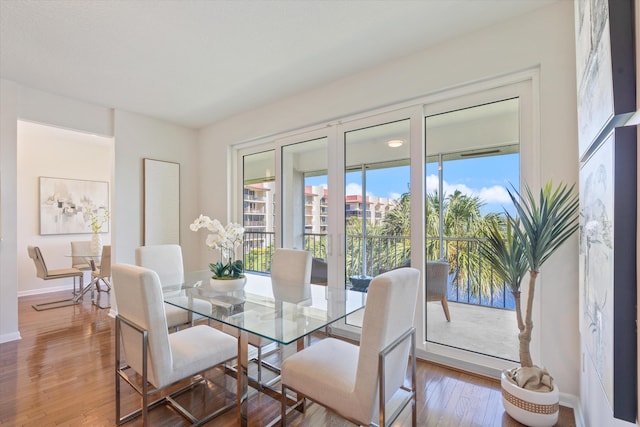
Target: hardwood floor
x=62, y=373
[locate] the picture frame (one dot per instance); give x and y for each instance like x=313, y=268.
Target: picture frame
x=608, y=209
x=161, y=202
x=66, y=205
x=605, y=69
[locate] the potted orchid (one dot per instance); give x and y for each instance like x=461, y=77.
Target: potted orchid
x=226, y=240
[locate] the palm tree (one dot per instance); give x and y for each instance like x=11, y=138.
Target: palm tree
x=396, y=223
x=432, y=225
x=539, y=228
x=463, y=221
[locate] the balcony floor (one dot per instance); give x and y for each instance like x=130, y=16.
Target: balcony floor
x=476, y=328
x=486, y=330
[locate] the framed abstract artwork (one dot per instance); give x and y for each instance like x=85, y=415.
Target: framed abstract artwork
x=66, y=205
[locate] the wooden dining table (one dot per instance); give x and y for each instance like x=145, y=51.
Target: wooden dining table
x=283, y=314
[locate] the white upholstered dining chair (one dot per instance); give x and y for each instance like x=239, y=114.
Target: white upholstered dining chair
x=160, y=358
x=290, y=277
x=166, y=261
x=358, y=382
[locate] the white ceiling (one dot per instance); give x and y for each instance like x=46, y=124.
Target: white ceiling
x=195, y=62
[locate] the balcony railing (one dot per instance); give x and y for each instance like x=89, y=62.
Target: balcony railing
x=471, y=279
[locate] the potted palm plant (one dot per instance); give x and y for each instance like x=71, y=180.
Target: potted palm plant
x=521, y=243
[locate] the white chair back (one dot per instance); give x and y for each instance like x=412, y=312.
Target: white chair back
x=291, y=266
x=291, y=275
x=437, y=277
x=389, y=312
x=140, y=300
x=41, y=266
x=166, y=260
x=79, y=251
x=105, y=262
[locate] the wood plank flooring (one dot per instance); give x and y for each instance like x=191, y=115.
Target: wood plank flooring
x=61, y=373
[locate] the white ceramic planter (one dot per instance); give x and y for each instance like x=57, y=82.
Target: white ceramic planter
x=531, y=408
x=228, y=285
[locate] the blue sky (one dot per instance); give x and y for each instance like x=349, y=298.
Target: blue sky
x=486, y=177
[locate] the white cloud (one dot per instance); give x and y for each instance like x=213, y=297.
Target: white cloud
x=432, y=183
x=353, y=189
x=495, y=194
x=395, y=196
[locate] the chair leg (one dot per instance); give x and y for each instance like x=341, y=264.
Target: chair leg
x=106, y=282
x=260, y=364
x=445, y=306
x=283, y=406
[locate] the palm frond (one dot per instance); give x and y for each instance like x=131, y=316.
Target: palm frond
x=504, y=253
x=546, y=223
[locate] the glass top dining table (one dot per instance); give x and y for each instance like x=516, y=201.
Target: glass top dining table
x=283, y=313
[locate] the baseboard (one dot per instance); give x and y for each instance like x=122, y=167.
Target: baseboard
x=13, y=336
x=45, y=290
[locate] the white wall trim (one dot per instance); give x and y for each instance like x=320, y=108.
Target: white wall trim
x=45, y=290
x=13, y=336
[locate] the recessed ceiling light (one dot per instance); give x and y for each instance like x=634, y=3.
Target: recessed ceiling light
x=395, y=143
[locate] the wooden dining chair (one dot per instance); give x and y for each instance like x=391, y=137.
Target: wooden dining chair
x=358, y=382
x=160, y=359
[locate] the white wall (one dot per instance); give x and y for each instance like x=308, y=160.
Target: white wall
x=135, y=137
x=543, y=39
x=138, y=137
x=9, y=94
x=61, y=153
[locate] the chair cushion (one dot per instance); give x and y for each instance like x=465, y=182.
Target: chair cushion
x=83, y=266
x=64, y=272
x=197, y=349
x=326, y=373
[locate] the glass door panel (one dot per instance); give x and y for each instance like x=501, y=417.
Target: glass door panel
x=258, y=210
x=377, y=203
x=305, y=207
x=472, y=156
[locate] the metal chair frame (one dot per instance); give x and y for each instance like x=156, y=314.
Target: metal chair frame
x=45, y=274
x=121, y=374
x=410, y=398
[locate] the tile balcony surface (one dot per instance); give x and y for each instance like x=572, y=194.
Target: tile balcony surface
x=481, y=329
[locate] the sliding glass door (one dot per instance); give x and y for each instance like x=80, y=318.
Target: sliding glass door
x=407, y=187
x=259, y=197
x=377, y=201
x=305, y=201
x=472, y=157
